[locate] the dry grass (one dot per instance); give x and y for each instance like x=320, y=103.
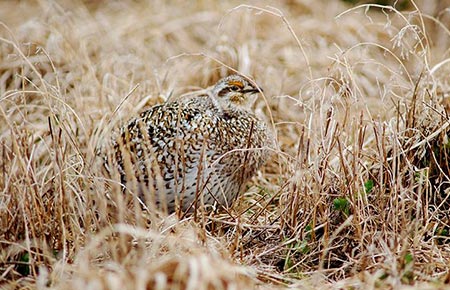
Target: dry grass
x=355, y=196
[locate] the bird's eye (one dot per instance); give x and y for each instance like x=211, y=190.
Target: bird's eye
x=234, y=88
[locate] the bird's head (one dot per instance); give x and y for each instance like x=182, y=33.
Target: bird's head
x=234, y=91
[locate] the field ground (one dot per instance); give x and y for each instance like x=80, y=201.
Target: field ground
x=356, y=193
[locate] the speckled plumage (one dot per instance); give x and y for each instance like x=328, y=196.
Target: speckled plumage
x=202, y=148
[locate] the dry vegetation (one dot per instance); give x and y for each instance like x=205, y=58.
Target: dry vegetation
x=356, y=194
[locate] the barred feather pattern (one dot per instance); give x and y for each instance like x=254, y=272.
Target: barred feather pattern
x=191, y=152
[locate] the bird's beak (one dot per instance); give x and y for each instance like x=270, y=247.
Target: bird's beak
x=252, y=91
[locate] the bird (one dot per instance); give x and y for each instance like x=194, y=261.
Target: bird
x=196, y=150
